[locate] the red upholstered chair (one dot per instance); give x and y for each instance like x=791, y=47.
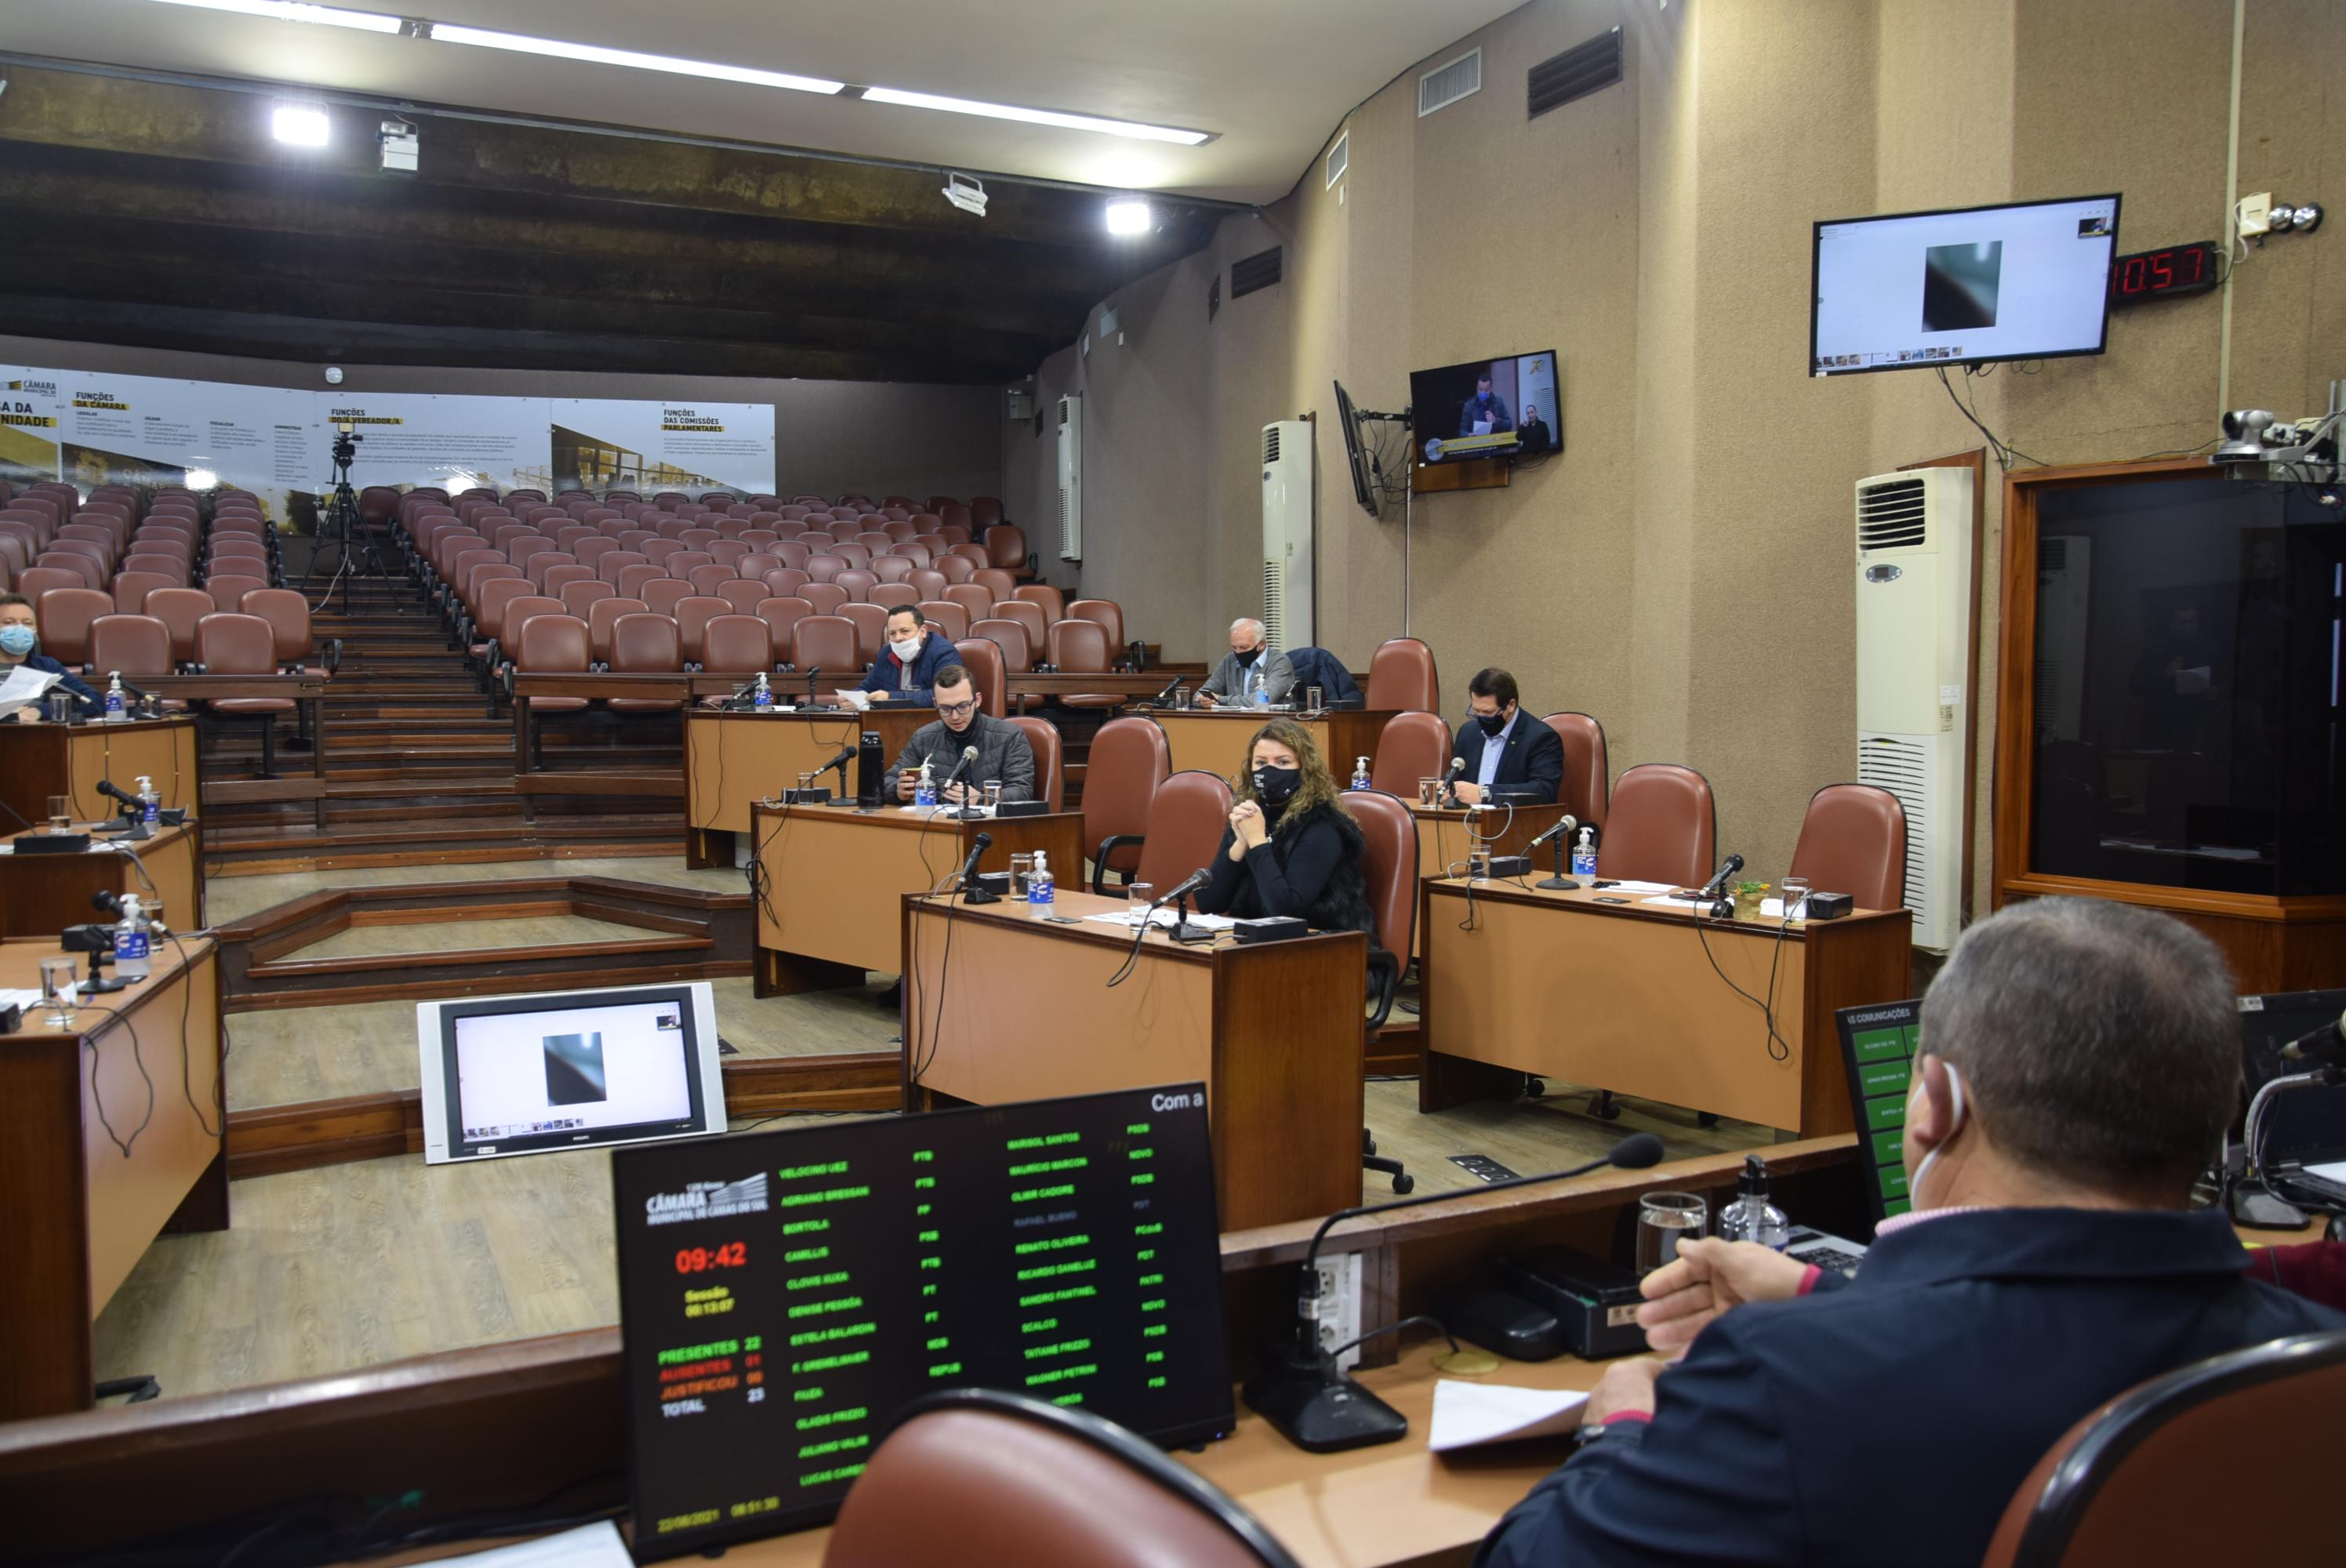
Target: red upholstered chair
x=180, y=610
x=1186, y=818
x=736, y=646
x=1853, y=841
x=870, y=623
x=892, y=595
x=827, y=643
x=875, y=541
x=823, y=568
x=1586, y=782
x=630, y=580
x=1050, y=767
x=551, y=645
x=1027, y=616
x=662, y=594
x=576, y=597
x=781, y=615
x=743, y=597
x=471, y=587
x=955, y=516
x=783, y=582
x=982, y=659
x=857, y=556
x=1010, y=637
x=944, y=614
x=692, y=618
x=1006, y=548
x=684, y=563
x=86, y=570
x=287, y=615
x=498, y=653
x=1053, y=605
x=892, y=568
x=231, y=644
x=900, y=530
x=995, y=580
x=754, y=564
x=858, y=583
x=794, y=553
x=701, y=539
x=602, y=615
x=660, y=552
x=1081, y=647
x=1129, y=759
x=1107, y=612
x=1413, y=745
x=646, y=645
x=958, y=569
x=1661, y=828
x=134, y=645
x=927, y=582
x=611, y=562
x=977, y=601
x=64, y=615
x=1402, y=677
x=828, y=598
x=131, y=588
x=984, y=512
x=109, y=543
x=34, y=582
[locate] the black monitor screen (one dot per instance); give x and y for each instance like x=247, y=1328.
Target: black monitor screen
x=783, y=1296
x=1486, y=408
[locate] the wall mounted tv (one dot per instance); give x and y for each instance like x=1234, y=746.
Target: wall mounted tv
x=1486, y=408
x=1968, y=287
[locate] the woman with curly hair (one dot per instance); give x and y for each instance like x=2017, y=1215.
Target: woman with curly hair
x=1292, y=849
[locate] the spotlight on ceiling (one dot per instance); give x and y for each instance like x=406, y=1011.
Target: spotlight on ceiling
x=401, y=147
x=965, y=193
x=1129, y=215
x=298, y=125
x=202, y=479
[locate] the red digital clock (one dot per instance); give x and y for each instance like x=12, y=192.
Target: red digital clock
x=2168, y=274
x=693, y=1259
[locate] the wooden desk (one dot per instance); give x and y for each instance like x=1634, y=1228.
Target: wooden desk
x=76, y=1213
x=308, y=690
x=1214, y=739
x=1274, y=1032
x=1443, y=843
x=38, y=761
x=40, y=895
x=733, y=758
x=1623, y=997
x=831, y=880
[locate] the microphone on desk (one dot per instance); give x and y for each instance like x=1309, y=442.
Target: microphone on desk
x=113, y=791
x=1726, y=868
x=810, y=679
x=1300, y=1389
x=1458, y=765
x=972, y=891
x=1564, y=824
x=1184, y=887
x=1167, y=695
x=2325, y=1044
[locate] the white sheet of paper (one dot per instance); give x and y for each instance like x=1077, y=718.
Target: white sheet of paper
x=23, y=685
x=1468, y=1414
x=588, y=1546
x=2334, y=1171
x=1164, y=919
x=859, y=701
x=1671, y=903
x=1638, y=888
x=28, y=1000
x=1482, y=427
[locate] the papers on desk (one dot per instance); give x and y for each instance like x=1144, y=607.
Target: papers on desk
x=1467, y=1415
x=26, y=1000
x=1636, y=888
x=1162, y=920
x=24, y=685
x=933, y=810
x=2334, y=1171
x=589, y=1546
x=861, y=701
x=1666, y=902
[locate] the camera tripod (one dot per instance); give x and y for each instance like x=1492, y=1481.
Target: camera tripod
x=340, y=526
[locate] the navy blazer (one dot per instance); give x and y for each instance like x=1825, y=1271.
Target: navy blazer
x=89, y=702
x=1534, y=759
x=1892, y=1421
x=886, y=675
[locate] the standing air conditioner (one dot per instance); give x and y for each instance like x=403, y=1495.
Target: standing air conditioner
x=1071, y=477
x=1287, y=621
x=1913, y=657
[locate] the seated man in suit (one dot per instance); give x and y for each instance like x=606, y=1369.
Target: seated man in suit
x=1003, y=753
x=1249, y=658
x=906, y=670
x=1503, y=747
x=2082, y=1061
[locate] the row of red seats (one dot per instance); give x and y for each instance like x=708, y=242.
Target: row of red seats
x=162, y=633
x=99, y=543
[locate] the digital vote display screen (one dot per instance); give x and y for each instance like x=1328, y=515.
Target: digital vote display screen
x=783, y=1295
x=1878, y=1046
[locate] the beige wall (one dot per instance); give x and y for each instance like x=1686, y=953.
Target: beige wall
x=830, y=437
x=1682, y=570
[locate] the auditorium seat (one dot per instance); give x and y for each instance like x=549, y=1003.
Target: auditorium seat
x=576, y=597
x=1107, y=612
x=857, y=556
x=646, y=645
x=1027, y=616
x=1853, y=840
x=781, y=615
x=1585, y=788
x=1005, y=549
x=632, y=580
x=754, y=564
x=1081, y=647
x=495, y=651
x=892, y=595
x=1401, y=679
x=984, y=512
x=1053, y=603
x=913, y=553
x=662, y=594
x=614, y=562
x=107, y=542
x=891, y=568
x=784, y=580
x=684, y=563
x=742, y=596
x=977, y=601
x=943, y=613
x=1128, y=760
x=180, y=609
x=562, y=572
x=1050, y=767
x=131, y=588
x=927, y=582
x=1660, y=828
x=795, y=554
x=1414, y=746
x=1010, y=637
x=34, y=582
x=232, y=644
x=995, y=580
x=828, y=598
x=739, y=646
x=692, y=618
x=704, y=579
x=957, y=569
x=858, y=583
x=659, y=551
x=871, y=628
x=1186, y=818
x=982, y=659
x=828, y=643
x=287, y=615
x=84, y=569
x=64, y=615
x=824, y=568
x=601, y=616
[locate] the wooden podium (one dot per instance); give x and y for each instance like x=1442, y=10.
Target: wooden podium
x=40, y=895
x=38, y=761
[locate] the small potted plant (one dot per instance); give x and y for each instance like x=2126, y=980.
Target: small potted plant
x=1747, y=900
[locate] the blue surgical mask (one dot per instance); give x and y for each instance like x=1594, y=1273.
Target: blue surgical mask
x=18, y=641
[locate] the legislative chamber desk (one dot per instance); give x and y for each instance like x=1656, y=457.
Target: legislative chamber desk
x=1024, y=1012
x=831, y=880
x=76, y=1212
x=1214, y=739
x=38, y=761
x=732, y=758
x=40, y=895
x=1623, y=996
x=1442, y=842
x=540, y=1424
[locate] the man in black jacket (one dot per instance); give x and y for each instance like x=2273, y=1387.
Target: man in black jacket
x=1003, y=751
x=1503, y=749
x=2083, y=1060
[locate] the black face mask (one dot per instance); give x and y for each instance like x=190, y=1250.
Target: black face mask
x=1492, y=723
x=1252, y=654
x=1277, y=785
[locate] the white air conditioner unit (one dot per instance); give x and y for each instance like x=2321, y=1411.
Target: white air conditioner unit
x=1913, y=660
x=2065, y=563
x=1287, y=621
x=1071, y=477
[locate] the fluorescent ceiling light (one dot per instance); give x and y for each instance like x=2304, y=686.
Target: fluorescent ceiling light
x=1034, y=117
x=291, y=11
x=449, y=32
x=1128, y=216
x=299, y=126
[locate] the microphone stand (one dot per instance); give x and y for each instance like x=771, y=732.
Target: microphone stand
x=1560, y=881
x=1181, y=929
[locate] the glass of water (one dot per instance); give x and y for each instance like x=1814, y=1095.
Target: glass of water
x=1141, y=894
x=60, y=813
x=1478, y=865
x=1312, y=699
x=994, y=794
x=1795, y=890
x=1429, y=791
x=1665, y=1219
x=57, y=991
x=1022, y=866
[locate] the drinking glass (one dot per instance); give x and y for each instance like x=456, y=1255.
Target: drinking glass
x=1478, y=865
x=806, y=781
x=1429, y=790
x=1312, y=700
x=992, y=794
x=60, y=813
x=1141, y=894
x=1665, y=1219
x=1795, y=890
x=1022, y=866
x=1181, y=695
x=57, y=991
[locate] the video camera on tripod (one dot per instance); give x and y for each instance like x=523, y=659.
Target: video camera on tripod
x=339, y=525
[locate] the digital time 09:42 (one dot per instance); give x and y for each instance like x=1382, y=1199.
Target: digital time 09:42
x=695, y=1259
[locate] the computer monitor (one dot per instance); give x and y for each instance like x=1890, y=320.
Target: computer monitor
x=1878, y=1044
x=1356, y=459
x=508, y=1075
x=1914, y=290
x=783, y=1295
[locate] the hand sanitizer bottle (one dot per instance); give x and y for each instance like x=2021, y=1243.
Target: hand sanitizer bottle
x=925, y=793
x=1752, y=1218
x=1583, y=856
x=131, y=943
x=764, y=697
x=150, y=805
x=1042, y=891
x=1360, y=773
x=117, y=701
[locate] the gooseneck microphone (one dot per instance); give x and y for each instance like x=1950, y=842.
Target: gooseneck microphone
x=1300, y=1389
x=2327, y=1043
x=1726, y=868
x=1564, y=824
x=811, y=674
x=1184, y=887
x=1458, y=765
x=1167, y=695
x=113, y=791
x=968, y=760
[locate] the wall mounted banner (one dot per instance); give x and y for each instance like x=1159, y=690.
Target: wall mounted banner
x=610, y=444
x=145, y=430
x=412, y=438
x=28, y=425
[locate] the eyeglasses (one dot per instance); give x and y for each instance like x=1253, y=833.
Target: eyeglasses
x=957, y=710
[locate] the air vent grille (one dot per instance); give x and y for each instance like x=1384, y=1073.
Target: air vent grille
x=1578, y=72
x=2053, y=554
x=1259, y=271
x=1446, y=84
x=1340, y=158
x=1892, y=517
x=1901, y=768
x=1269, y=443
x=1274, y=602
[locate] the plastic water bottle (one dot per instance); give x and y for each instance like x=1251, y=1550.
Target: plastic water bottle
x=150, y=804
x=763, y=698
x=116, y=708
x=1584, y=855
x=925, y=793
x=1752, y=1218
x=1360, y=773
x=132, y=944
x=1041, y=889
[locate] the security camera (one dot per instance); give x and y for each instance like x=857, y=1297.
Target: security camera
x=2257, y=445
x=2244, y=430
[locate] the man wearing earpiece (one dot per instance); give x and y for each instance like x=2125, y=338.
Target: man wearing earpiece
x=2080, y=1062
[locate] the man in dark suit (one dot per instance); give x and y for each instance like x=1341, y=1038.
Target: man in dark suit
x=2083, y=1060
x=1505, y=749
x=1003, y=751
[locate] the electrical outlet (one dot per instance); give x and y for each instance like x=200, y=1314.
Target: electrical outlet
x=1340, y=1304
x=2254, y=215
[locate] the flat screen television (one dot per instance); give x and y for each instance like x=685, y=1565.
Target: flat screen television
x=1356, y=458
x=1486, y=408
x=1966, y=286
x=507, y=1076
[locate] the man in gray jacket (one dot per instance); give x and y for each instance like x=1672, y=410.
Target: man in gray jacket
x=1248, y=655
x=1001, y=749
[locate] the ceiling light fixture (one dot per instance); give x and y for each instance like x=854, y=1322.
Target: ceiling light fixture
x=965, y=193
x=291, y=11
x=482, y=37
x=1129, y=215
x=298, y=125
x=1035, y=117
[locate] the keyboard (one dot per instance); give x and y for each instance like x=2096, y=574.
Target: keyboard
x=1833, y=1254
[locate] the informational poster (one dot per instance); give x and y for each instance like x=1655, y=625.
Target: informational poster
x=412, y=439
x=606, y=444
x=146, y=431
x=28, y=425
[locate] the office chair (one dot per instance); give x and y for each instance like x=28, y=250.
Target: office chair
x=1389, y=868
